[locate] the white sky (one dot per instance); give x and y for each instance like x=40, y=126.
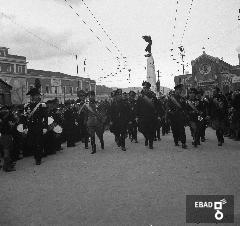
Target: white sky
x=213, y=24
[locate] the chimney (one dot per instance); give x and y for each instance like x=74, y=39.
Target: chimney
x=239, y=59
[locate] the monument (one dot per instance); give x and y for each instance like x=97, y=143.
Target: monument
x=151, y=75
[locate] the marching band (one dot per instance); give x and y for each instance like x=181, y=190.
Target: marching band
x=39, y=129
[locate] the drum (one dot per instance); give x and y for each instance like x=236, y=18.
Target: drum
x=57, y=129
x=21, y=129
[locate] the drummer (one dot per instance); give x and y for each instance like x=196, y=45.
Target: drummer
x=7, y=122
x=36, y=123
x=52, y=142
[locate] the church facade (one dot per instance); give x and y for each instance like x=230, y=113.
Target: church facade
x=208, y=72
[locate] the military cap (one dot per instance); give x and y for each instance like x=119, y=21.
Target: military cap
x=132, y=93
x=91, y=93
x=200, y=91
x=193, y=90
x=118, y=92
x=146, y=84
x=33, y=92
x=81, y=93
x=67, y=102
x=179, y=86
x=113, y=93
x=217, y=89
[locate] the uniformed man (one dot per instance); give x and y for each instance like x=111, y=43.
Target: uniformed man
x=69, y=124
x=37, y=124
x=7, y=122
x=82, y=118
x=195, y=116
x=146, y=114
x=203, y=107
x=119, y=118
x=132, y=127
x=218, y=114
x=94, y=122
x=177, y=115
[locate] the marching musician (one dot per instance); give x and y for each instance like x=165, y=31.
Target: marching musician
x=37, y=123
x=218, y=111
x=146, y=114
x=94, y=122
x=204, y=109
x=177, y=115
x=132, y=127
x=195, y=117
x=82, y=118
x=52, y=142
x=119, y=118
x=7, y=122
x=69, y=124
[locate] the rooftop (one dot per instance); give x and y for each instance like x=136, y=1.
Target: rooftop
x=34, y=72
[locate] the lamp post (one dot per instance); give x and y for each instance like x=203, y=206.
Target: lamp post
x=182, y=53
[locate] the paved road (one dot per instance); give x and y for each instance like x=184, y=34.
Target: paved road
x=139, y=187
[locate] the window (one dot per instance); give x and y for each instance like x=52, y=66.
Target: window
x=47, y=89
x=64, y=89
x=9, y=69
x=55, y=89
x=19, y=69
x=71, y=90
x=0, y=68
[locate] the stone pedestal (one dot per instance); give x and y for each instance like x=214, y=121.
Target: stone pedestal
x=151, y=75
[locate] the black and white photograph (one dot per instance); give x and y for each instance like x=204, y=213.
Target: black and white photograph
x=119, y=112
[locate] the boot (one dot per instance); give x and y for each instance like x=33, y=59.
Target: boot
x=38, y=162
x=219, y=143
x=184, y=146
x=151, y=144
x=146, y=142
x=7, y=165
x=93, y=149
x=123, y=148
x=102, y=145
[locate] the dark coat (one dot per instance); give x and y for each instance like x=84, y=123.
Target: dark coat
x=119, y=116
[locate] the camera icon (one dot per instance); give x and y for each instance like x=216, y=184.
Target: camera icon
x=218, y=205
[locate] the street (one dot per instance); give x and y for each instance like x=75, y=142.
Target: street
x=137, y=187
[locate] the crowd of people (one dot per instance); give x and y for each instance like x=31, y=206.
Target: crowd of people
x=39, y=129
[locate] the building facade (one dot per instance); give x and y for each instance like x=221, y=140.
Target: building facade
x=208, y=72
x=13, y=71
x=5, y=93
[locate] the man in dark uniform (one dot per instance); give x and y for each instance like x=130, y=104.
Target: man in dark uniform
x=119, y=118
x=203, y=107
x=95, y=123
x=177, y=115
x=7, y=122
x=218, y=114
x=132, y=127
x=146, y=114
x=69, y=124
x=36, y=124
x=195, y=116
x=52, y=142
x=160, y=112
x=82, y=118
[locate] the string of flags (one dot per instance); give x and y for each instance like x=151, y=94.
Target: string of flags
x=188, y=18
x=91, y=30
x=100, y=25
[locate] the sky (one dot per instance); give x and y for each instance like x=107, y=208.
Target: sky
x=50, y=35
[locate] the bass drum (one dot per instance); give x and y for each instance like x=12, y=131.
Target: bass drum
x=57, y=129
